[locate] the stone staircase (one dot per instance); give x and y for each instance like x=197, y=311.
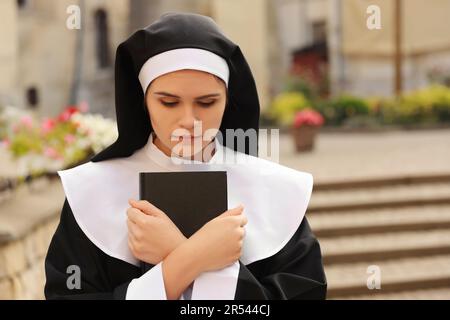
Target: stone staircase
x=401, y=225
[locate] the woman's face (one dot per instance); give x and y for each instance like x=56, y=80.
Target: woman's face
x=185, y=102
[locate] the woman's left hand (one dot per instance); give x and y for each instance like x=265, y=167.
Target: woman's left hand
x=151, y=233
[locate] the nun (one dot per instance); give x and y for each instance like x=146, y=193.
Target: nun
x=182, y=82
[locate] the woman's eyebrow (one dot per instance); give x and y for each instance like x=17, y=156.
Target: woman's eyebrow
x=166, y=94
x=212, y=95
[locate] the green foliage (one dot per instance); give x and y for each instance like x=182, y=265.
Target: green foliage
x=337, y=111
x=286, y=104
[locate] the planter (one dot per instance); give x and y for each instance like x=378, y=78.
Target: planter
x=304, y=137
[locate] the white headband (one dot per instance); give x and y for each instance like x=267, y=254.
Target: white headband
x=181, y=59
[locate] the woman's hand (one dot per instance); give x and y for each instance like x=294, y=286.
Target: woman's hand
x=151, y=233
x=219, y=242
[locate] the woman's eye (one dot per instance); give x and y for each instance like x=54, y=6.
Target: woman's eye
x=206, y=103
x=169, y=104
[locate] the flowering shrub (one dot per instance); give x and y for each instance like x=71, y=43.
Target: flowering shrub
x=425, y=106
x=339, y=109
x=308, y=117
x=8, y=116
x=57, y=143
x=429, y=103
x=286, y=105
x=439, y=75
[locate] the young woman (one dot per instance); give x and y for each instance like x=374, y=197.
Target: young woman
x=177, y=81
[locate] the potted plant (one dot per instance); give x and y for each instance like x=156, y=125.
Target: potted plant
x=305, y=127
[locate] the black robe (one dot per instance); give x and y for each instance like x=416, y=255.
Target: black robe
x=295, y=272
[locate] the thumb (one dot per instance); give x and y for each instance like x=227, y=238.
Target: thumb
x=233, y=212
x=146, y=207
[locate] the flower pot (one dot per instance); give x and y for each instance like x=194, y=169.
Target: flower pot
x=304, y=137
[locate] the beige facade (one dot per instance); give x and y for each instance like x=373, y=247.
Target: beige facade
x=39, y=53
x=368, y=54
x=246, y=23
x=361, y=60
x=38, y=50
x=8, y=50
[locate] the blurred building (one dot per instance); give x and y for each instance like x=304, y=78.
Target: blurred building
x=45, y=66
x=331, y=37
x=43, y=62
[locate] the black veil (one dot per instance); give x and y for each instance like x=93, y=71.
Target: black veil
x=173, y=31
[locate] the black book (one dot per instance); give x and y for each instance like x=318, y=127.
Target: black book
x=190, y=199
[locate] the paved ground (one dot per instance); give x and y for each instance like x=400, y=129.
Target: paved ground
x=366, y=155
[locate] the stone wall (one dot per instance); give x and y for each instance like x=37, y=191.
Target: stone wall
x=28, y=220
x=22, y=273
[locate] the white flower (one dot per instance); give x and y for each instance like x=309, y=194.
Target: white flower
x=100, y=132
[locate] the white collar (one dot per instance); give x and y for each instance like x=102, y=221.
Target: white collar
x=275, y=197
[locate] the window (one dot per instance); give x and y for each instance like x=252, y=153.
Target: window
x=22, y=3
x=319, y=30
x=102, y=39
x=32, y=97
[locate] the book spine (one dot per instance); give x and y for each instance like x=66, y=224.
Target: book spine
x=144, y=266
x=141, y=186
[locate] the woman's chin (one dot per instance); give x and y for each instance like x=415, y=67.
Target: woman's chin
x=192, y=153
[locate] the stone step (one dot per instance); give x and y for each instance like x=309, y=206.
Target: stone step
x=396, y=275
x=382, y=182
x=390, y=245
x=386, y=193
x=372, y=221
x=401, y=203
x=384, y=197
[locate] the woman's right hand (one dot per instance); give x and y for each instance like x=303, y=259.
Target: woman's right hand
x=219, y=242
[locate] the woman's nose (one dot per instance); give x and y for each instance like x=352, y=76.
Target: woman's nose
x=188, y=119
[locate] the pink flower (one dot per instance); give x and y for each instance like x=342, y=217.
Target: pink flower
x=27, y=121
x=83, y=107
x=64, y=117
x=51, y=153
x=67, y=113
x=69, y=138
x=308, y=117
x=48, y=125
x=6, y=143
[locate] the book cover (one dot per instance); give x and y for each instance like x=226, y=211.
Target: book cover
x=190, y=199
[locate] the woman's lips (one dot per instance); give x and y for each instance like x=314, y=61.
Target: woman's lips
x=188, y=138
